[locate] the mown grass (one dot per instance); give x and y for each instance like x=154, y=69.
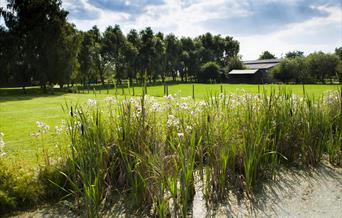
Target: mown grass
x=19, y=112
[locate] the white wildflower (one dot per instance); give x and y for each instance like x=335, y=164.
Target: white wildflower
x=188, y=98
x=91, y=102
x=35, y=134
x=180, y=135
x=188, y=129
x=202, y=104
x=58, y=130
x=183, y=106
x=44, y=128
x=172, y=121
x=156, y=107
x=2, y=145
x=110, y=100
x=169, y=97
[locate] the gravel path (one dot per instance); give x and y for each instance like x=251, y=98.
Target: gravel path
x=293, y=193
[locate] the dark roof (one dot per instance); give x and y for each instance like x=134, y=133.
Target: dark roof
x=261, y=64
x=241, y=72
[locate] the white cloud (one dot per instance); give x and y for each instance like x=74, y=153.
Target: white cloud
x=169, y=17
x=103, y=18
x=316, y=34
x=187, y=19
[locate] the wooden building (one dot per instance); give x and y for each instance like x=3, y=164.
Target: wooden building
x=255, y=72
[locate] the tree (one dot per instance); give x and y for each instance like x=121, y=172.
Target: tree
x=172, y=55
x=322, y=66
x=147, y=52
x=209, y=71
x=129, y=54
x=42, y=41
x=231, y=47
x=339, y=71
x=291, y=70
x=294, y=54
x=86, y=59
x=266, y=55
x=113, y=43
x=159, y=63
x=7, y=57
x=133, y=60
x=338, y=52
x=98, y=53
x=234, y=63
x=67, y=53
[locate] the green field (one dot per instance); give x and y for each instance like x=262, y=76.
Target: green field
x=19, y=112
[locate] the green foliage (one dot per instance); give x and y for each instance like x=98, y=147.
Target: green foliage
x=233, y=63
x=317, y=67
x=210, y=71
x=322, y=66
x=45, y=45
x=266, y=55
x=294, y=54
x=292, y=70
x=338, y=52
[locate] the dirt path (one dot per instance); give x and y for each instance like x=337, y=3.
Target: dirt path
x=294, y=193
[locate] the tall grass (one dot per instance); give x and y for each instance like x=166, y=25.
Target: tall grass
x=152, y=150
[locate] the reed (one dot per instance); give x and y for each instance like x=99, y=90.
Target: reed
x=151, y=150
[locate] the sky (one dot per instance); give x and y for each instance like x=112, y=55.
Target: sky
x=278, y=26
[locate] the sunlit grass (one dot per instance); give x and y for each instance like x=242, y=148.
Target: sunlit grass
x=19, y=112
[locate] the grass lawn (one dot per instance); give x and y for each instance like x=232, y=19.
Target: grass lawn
x=19, y=112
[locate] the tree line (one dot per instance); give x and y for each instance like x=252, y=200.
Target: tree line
x=39, y=46
x=316, y=67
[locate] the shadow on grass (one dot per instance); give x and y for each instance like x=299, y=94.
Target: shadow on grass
x=18, y=94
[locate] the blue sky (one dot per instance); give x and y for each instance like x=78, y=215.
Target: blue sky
x=275, y=25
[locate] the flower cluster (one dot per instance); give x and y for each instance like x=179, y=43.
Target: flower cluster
x=91, y=102
x=331, y=97
x=109, y=100
x=172, y=121
x=42, y=128
x=2, y=145
x=61, y=128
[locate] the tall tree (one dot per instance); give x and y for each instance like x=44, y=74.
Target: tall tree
x=133, y=61
x=338, y=52
x=172, y=55
x=292, y=70
x=86, y=59
x=210, y=71
x=147, y=52
x=266, y=55
x=322, y=66
x=294, y=54
x=41, y=31
x=99, y=63
x=159, y=63
x=113, y=43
